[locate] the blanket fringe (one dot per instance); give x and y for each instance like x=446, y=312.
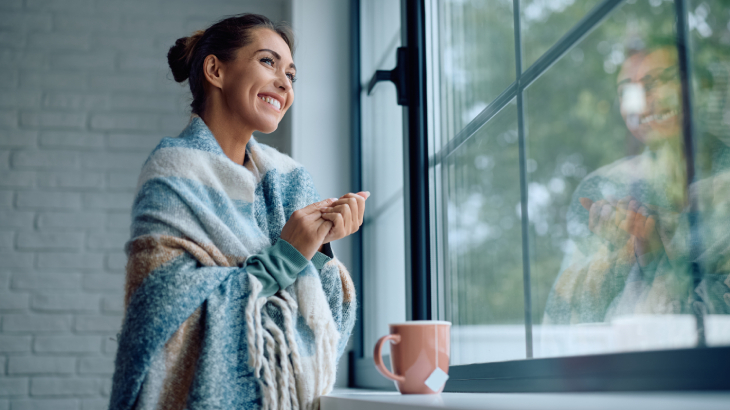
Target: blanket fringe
x=273, y=354
x=285, y=379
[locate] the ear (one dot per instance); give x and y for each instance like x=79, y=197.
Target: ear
x=213, y=71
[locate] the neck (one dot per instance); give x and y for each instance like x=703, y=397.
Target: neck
x=232, y=135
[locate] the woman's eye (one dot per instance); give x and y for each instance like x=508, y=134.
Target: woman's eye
x=267, y=60
x=292, y=77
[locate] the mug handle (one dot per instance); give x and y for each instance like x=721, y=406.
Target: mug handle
x=378, y=357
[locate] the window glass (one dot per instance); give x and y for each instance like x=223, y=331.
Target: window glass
x=627, y=215
x=709, y=23
x=474, y=69
x=383, y=231
x=380, y=35
x=484, y=245
x=617, y=253
x=544, y=22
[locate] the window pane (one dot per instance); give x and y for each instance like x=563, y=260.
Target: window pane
x=384, y=290
x=380, y=36
x=613, y=244
x=710, y=47
x=484, y=251
x=474, y=68
x=544, y=22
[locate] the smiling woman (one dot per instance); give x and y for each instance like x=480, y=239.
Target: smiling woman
x=234, y=298
x=240, y=74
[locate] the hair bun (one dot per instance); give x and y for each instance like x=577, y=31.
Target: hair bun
x=178, y=58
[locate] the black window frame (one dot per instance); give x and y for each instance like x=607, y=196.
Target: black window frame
x=699, y=368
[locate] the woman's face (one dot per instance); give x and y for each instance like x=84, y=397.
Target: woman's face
x=649, y=91
x=257, y=85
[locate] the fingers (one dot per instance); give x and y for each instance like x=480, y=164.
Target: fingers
x=356, y=203
x=594, y=215
x=613, y=219
x=606, y=219
x=323, y=229
x=640, y=221
x=357, y=208
x=605, y=223
x=622, y=207
x=636, y=219
x=337, y=231
x=349, y=211
x=315, y=207
x=345, y=211
x=627, y=225
x=586, y=202
x=648, y=227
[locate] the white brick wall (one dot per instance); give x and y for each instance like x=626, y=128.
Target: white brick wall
x=85, y=94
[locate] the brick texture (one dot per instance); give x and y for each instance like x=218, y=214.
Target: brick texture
x=41, y=365
x=46, y=404
x=58, y=386
x=85, y=95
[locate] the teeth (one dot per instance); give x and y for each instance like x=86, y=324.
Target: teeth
x=659, y=117
x=272, y=101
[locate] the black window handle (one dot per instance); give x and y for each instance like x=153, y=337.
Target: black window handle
x=397, y=76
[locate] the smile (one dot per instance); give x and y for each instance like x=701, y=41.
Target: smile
x=658, y=118
x=271, y=101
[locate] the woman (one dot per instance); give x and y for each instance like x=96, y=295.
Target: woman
x=233, y=296
x=633, y=253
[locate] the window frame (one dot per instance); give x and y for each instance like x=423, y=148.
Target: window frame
x=699, y=368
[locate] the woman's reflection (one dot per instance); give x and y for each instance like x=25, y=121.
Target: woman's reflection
x=628, y=220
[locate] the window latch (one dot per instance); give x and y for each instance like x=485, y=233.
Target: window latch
x=397, y=76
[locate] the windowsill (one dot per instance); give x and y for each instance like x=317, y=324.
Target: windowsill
x=360, y=399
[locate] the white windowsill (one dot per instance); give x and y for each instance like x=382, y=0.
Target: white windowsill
x=357, y=399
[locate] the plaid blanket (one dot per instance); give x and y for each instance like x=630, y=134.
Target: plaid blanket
x=195, y=334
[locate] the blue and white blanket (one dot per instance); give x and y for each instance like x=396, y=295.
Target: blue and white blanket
x=196, y=335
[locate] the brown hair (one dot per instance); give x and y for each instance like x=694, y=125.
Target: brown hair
x=222, y=39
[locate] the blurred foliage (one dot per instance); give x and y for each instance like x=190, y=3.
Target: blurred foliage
x=477, y=56
x=573, y=126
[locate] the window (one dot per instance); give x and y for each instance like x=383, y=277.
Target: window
x=383, y=235
x=576, y=173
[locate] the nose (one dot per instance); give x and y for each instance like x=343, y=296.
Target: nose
x=633, y=100
x=282, y=82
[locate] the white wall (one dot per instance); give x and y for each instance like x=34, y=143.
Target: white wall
x=321, y=111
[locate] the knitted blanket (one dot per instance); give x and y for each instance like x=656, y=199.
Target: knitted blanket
x=599, y=282
x=195, y=334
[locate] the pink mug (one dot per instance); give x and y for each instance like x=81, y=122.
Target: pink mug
x=419, y=356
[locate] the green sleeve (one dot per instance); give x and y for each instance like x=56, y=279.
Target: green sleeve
x=320, y=258
x=276, y=267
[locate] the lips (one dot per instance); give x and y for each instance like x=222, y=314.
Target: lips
x=658, y=117
x=273, y=101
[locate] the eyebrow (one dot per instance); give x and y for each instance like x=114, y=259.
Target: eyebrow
x=277, y=56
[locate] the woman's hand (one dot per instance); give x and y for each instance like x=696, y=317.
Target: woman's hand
x=306, y=229
x=604, y=221
x=346, y=215
x=617, y=222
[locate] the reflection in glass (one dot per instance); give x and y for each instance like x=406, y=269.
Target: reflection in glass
x=474, y=67
x=709, y=23
x=609, y=201
x=485, y=244
x=544, y=22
